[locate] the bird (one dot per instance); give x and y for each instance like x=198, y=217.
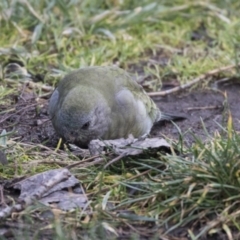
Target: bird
x=102, y=102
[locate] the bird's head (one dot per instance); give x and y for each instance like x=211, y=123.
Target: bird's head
x=83, y=115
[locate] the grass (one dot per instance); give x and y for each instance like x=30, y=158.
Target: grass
x=181, y=39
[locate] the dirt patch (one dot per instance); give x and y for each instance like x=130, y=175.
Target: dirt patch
x=28, y=120
x=210, y=107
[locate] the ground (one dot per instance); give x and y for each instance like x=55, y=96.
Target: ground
x=205, y=110
x=187, y=191
x=201, y=107
x=208, y=107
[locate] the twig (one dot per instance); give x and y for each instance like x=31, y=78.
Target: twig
x=203, y=108
x=97, y=161
x=43, y=87
x=81, y=162
x=194, y=81
x=60, y=163
x=114, y=160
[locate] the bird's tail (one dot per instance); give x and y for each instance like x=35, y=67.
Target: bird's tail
x=170, y=117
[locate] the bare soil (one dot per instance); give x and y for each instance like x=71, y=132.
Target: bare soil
x=207, y=109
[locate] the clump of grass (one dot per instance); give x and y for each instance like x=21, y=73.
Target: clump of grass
x=197, y=191
x=200, y=191
x=68, y=35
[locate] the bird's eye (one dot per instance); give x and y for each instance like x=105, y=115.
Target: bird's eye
x=86, y=125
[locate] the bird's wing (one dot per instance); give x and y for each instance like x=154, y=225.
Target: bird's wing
x=140, y=95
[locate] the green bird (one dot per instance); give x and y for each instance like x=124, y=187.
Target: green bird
x=102, y=103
